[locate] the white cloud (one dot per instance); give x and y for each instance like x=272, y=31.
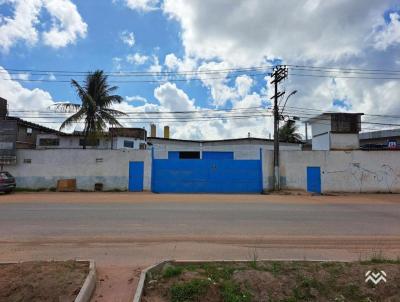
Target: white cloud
x=21, y=98
x=21, y=76
x=67, y=24
x=128, y=38
x=390, y=34
x=173, y=98
x=248, y=32
x=243, y=84
x=136, y=98
x=137, y=58
x=142, y=5
x=173, y=63
x=22, y=26
x=155, y=67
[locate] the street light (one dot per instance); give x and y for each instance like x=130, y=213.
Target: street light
x=292, y=93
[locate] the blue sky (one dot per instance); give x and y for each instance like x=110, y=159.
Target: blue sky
x=177, y=35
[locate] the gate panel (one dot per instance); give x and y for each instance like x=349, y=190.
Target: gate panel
x=206, y=176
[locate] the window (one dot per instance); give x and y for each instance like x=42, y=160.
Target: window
x=142, y=146
x=189, y=155
x=89, y=142
x=49, y=142
x=129, y=144
x=29, y=131
x=27, y=161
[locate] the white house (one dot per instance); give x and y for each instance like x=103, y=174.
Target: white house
x=115, y=138
x=335, y=131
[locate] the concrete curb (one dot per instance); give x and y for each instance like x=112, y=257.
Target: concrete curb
x=89, y=285
x=142, y=279
x=157, y=267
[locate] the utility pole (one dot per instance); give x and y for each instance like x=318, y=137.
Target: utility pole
x=279, y=74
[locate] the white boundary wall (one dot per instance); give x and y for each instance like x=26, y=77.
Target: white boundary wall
x=341, y=171
x=110, y=167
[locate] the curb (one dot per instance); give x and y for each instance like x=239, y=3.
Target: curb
x=143, y=274
x=142, y=280
x=89, y=285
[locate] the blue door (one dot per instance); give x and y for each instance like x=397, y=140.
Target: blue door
x=314, y=179
x=136, y=169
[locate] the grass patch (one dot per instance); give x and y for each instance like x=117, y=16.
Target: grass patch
x=172, y=271
x=189, y=291
x=231, y=292
x=218, y=272
x=308, y=289
x=379, y=258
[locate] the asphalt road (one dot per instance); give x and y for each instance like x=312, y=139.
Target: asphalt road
x=185, y=220
x=126, y=232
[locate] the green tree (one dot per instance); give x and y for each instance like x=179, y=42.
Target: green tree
x=288, y=133
x=97, y=97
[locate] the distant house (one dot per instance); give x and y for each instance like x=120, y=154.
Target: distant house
x=26, y=132
x=115, y=138
x=16, y=133
x=380, y=140
x=335, y=131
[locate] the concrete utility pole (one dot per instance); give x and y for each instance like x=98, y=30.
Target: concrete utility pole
x=279, y=74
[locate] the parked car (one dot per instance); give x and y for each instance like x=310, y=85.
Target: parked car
x=7, y=182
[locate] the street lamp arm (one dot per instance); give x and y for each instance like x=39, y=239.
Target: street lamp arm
x=292, y=93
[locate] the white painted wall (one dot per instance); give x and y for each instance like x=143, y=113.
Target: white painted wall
x=71, y=142
x=320, y=126
x=341, y=171
x=119, y=142
x=47, y=166
x=344, y=141
x=321, y=142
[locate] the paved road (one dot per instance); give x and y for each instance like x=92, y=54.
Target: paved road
x=186, y=220
x=126, y=232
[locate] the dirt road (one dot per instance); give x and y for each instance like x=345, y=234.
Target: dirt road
x=124, y=232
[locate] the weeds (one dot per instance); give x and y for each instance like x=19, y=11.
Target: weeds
x=189, y=291
x=172, y=271
x=231, y=292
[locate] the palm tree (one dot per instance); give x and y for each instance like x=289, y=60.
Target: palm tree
x=97, y=97
x=288, y=133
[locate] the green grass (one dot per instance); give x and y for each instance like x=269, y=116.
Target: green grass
x=379, y=258
x=304, y=291
x=172, y=271
x=189, y=291
x=231, y=292
x=218, y=272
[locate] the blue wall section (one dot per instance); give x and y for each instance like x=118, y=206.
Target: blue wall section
x=217, y=155
x=136, y=170
x=206, y=176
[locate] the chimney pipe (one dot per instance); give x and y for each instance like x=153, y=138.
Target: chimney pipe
x=166, y=131
x=153, y=130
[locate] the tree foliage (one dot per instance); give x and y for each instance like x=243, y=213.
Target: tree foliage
x=288, y=133
x=97, y=98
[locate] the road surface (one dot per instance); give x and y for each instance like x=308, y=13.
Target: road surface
x=121, y=230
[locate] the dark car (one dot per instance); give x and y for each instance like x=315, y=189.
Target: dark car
x=7, y=182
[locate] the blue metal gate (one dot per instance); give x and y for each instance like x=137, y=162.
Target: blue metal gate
x=213, y=174
x=136, y=169
x=314, y=179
